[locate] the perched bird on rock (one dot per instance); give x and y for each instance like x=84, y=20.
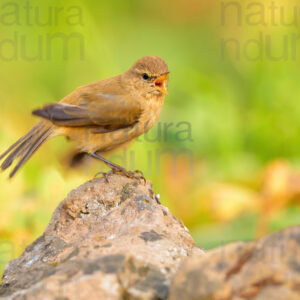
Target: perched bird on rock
x=100, y=116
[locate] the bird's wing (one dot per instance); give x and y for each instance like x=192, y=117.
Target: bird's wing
x=95, y=109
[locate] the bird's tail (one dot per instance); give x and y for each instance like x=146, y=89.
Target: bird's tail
x=26, y=146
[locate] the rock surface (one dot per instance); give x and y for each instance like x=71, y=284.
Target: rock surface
x=115, y=241
x=268, y=269
x=104, y=241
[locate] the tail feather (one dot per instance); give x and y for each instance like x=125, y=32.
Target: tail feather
x=22, y=139
x=26, y=146
x=17, y=151
x=9, y=160
x=21, y=148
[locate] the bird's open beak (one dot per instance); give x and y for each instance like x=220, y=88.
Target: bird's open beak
x=160, y=83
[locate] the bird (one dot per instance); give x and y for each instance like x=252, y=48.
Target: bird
x=100, y=116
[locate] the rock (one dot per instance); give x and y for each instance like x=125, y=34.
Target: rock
x=268, y=269
x=104, y=241
x=115, y=241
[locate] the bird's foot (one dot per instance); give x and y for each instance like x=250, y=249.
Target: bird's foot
x=137, y=174
x=105, y=174
x=130, y=174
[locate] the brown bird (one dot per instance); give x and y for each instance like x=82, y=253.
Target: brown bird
x=100, y=116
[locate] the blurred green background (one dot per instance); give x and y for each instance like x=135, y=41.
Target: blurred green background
x=234, y=79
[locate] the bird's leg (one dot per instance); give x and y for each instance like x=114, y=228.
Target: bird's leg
x=116, y=169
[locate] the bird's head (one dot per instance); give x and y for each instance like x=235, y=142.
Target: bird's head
x=149, y=75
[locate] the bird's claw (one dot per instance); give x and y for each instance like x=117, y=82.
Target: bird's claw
x=104, y=174
x=135, y=175
x=130, y=174
x=141, y=175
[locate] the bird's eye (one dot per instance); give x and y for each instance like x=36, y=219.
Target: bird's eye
x=145, y=76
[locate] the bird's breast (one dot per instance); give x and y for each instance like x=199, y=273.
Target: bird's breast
x=151, y=112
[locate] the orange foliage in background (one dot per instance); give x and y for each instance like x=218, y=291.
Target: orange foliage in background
x=277, y=187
